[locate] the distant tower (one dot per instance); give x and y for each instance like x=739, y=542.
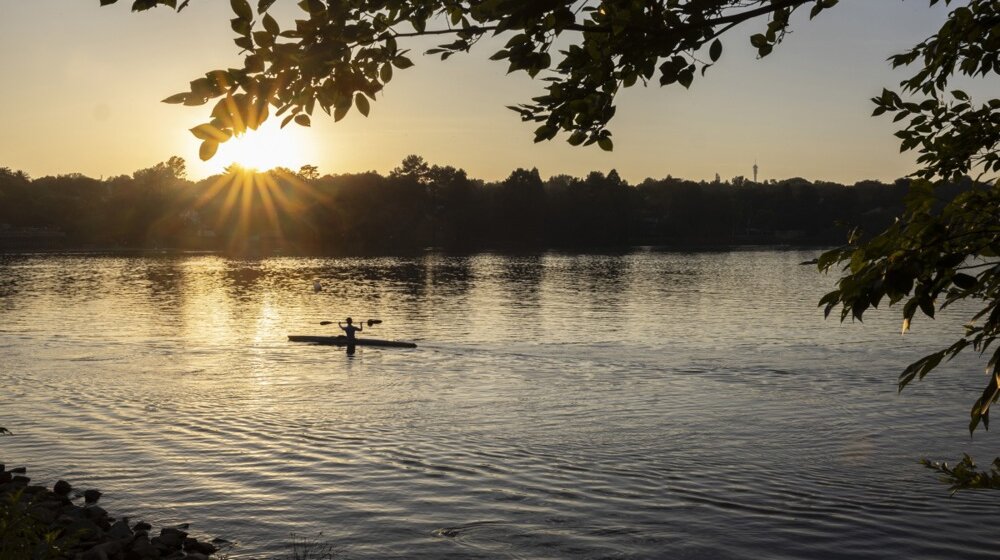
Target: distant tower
x=754, y=171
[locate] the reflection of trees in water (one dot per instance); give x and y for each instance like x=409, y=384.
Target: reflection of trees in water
x=12, y=279
x=522, y=279
x=164, y=280
x=403, y=277
x=449, y=276
x=72, y=280
x=604, y=277
x=86, y=278
x=598, y=272
x=411, y=287
x=241, y=278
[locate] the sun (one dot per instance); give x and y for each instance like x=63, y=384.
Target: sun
x=267, y=147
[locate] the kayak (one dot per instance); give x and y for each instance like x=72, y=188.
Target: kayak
x=341, y=340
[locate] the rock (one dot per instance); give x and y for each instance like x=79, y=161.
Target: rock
x=158, y=543
x=33, y=490
x=72, y=513
x=142, y=526
x=44, y=515
x=197, y=556
x=175, y=555
x=91, y=496
x=163, y=547
x=98, y=515
x=83, y=530
x=54, y=505
x=95, y=512
x=172, y=538
x=19, y=470
x=5, y=477
x=62, y=488
x=104, y=551
x=21, y=481
x=192, y=545
x=119, y=530
x=142, y=548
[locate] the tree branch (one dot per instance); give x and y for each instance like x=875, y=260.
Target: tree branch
x=732, y=20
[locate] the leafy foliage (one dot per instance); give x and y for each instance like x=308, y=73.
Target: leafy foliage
x=953, y=136
x=22, y=535
x=938, y=254
x=966, y=475
x=943, y=249
x=342, y=53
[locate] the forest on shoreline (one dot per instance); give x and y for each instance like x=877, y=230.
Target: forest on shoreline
x=418, y=205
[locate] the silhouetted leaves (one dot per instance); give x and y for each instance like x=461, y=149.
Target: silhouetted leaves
x=177, y=98
x=208, y=149
x=340, y=53
x=361, y=102
x=965, y=475
x=242, y=9
x=943, y=249
x=715, y=51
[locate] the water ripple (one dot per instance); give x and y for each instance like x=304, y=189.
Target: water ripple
x=640, y=405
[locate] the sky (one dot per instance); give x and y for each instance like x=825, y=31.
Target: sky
x=82, y=87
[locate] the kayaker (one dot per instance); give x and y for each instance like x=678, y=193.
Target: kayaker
x=350, y=329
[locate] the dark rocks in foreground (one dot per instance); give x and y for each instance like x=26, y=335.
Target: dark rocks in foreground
x=85, y=532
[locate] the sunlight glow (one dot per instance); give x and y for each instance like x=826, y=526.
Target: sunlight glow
x=265, y=148
x=251, y=209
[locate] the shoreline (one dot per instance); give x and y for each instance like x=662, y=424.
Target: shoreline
x=37, y=521
x=609, y=250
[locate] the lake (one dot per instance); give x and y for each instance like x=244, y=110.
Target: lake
x=646, y=404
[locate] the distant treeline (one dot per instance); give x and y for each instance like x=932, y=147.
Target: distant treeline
x=420, y=205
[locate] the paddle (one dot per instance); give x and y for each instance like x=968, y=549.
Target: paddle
x=369, y=321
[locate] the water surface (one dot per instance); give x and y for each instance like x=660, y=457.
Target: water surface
x=639, y=405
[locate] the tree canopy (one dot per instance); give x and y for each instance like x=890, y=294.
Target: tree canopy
x=341, y=54
x=420, y=204
x=942, y=249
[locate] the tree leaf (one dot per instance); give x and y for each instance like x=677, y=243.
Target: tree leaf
x=176, y=98
x=385, y=73
x=209, y=132
x=362, y=103
x=715, y=51
x=270, y=25
x=242, y=9
x=208, y=149
x=402, y=62
x=964, y=281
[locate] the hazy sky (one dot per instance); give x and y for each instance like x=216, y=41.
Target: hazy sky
x=82, y=87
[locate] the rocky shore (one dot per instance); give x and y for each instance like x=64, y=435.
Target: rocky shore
x=66, y=523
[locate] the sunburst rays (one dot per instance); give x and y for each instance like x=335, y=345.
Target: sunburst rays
x=267, y=147
x=243, y=204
